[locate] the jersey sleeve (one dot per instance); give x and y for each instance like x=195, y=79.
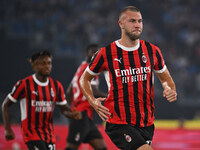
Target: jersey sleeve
x=159, y=66
x=60, y=99
x=97, y=63
x=18, y=92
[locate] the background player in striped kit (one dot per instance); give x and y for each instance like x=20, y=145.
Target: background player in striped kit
x=128, y=64
x=84, y=130
x=37, y=95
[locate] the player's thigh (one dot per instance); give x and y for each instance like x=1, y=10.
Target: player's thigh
x=125, y=137
x=147, y=133
x=98, y=144
x=94, y=137
x=71, y=146
x=145, y=147
x=78, y=130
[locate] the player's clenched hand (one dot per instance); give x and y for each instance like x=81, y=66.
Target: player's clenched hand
x=9, y=134
x=76, y=114
x=102, y=111
x=169, y=93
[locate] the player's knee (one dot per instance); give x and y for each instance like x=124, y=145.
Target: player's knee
x=71, y=146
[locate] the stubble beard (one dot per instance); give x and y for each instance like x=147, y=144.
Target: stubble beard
x=131, y=36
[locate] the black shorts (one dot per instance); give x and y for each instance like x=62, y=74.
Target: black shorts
x=128, y=137
x=82, y=131
x=41, y=145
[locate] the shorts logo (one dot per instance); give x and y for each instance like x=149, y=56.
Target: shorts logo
x=128, y=138
x=77, y=137
x=36, y=148
x=148, y=142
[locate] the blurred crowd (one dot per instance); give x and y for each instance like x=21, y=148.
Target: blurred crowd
x=66, y=26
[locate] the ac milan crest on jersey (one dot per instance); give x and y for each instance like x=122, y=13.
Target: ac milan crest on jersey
x=144, y=58
x=52, y=93
x=130, y=81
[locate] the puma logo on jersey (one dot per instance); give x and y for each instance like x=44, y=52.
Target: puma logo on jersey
x=34, y=92
x=119, y=60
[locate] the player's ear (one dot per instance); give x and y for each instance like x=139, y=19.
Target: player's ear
x=31, y=63
x=121, y=24
x=34, y=65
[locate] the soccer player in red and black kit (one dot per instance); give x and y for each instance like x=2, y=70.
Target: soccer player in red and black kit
x=84, y=130
x=37, y=95
x=128, y=64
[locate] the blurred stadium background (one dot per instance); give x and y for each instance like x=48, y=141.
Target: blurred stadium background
x=66, y=27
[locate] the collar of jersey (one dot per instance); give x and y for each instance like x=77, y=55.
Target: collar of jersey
x=128, y=48
x=40, y=83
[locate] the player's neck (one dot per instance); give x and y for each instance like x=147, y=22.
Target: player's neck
x=128, y=42
x=41, y=78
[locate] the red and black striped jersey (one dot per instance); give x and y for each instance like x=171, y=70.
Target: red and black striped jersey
x=129, y=75
x=37, y=100
x=79, y=100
